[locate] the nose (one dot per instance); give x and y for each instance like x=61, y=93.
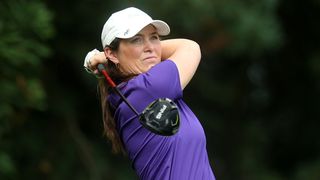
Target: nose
x=148, y=45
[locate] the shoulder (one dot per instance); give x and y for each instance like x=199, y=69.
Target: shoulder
x=163, y=65
x=160, y=74
x=162, y=80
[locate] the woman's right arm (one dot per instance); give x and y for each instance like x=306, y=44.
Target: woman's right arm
x=186, y=54
x=92, y=59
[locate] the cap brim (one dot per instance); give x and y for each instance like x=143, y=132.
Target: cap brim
x=163, y=29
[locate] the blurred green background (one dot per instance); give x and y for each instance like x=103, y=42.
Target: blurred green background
x=256, y=92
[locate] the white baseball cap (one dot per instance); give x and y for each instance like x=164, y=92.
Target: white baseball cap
x=127, y=23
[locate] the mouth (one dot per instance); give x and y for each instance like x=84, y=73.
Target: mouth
x=150, y=58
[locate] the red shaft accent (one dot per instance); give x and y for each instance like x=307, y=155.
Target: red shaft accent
x=106, y=75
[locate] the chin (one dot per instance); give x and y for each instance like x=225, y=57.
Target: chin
x=151, y=65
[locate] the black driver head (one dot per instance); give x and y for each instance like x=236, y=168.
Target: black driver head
x=161, y=117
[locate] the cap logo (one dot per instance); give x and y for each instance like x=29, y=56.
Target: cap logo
x=126, y=32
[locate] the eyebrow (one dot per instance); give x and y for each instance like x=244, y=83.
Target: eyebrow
x=153, y=33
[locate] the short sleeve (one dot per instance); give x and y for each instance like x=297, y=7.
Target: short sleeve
x=162, y=80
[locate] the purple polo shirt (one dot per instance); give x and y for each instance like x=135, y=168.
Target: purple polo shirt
x=182, y=156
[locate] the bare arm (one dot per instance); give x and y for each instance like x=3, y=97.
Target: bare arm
x=92, y=59
x=186, y=54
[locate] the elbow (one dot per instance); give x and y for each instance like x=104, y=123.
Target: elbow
x=198, y=48
x=195, y=48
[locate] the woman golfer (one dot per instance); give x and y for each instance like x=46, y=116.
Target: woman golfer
x=146, y=68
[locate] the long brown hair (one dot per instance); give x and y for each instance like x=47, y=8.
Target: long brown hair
x=109, y=123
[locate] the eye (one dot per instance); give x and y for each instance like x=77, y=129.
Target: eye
x=155, y=37
x=136, y=40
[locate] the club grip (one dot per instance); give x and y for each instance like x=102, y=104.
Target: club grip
x=101, y=67
x=103, y=71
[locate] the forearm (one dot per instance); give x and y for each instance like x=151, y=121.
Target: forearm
x=180, y=47
x=185, y=54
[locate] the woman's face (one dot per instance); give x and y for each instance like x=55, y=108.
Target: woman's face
x=139, y=53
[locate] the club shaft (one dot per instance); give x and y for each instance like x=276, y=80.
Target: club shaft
x=114, y=87
x=125, y=100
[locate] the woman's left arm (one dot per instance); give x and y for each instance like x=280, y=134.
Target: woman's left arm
x=185, y=54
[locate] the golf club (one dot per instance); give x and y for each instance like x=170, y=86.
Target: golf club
x=160, y=116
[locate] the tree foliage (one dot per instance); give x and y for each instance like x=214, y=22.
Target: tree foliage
x=24, y=29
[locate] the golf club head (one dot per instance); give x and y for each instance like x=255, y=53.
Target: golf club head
x=161, y=117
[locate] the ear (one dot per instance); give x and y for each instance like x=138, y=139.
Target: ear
x=111, y=55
